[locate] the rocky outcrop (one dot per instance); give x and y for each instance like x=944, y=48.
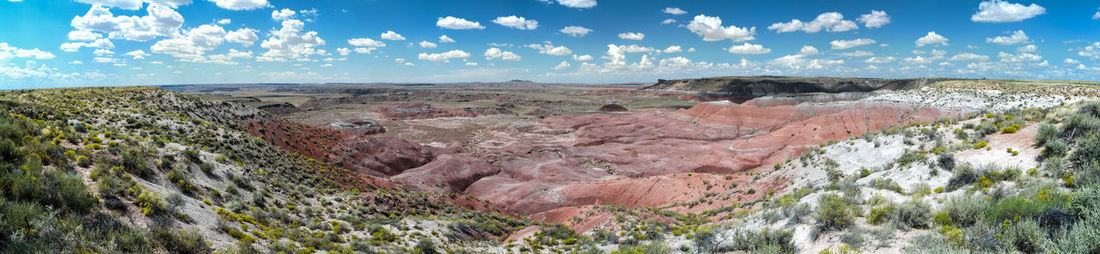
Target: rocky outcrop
x=376, y=156
x=281, y=108
x=645, y=158
x=613, y=108
x=743, y=88
x=358, y=126
x=405, y=111
x=447, y=173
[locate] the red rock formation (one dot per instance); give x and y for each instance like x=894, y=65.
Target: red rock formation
x=374, y=155
x=401, y=111
x=649, y=153
x=447, y=173
x=640, y=158
x=613, y=108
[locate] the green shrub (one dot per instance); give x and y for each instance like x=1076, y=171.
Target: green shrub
x=946, y=161
x=955, y=236
x=777, y=241
x=1012, y=207
x=192, y=155
x=1088, y=150
x=881, y=214
x=136, y=162
x=10, y=153
x=1054, y=148
x=834, y=213
x=18, y=215
x=381, y=234
x=932, y=243
x=33, y=183
x=426, y=246
x=1079, y=125
x=965, y=210
x=182, y=181
x=207, y=168
x=911, y=156
x=1085, y=202
x=1046, y=133
x=1025, y=236
x=83, y=161
x=177, y=241
x=915, y=213
x=1010, y=129
x=1082, y=237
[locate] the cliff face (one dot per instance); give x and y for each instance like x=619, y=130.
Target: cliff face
x=753, y=87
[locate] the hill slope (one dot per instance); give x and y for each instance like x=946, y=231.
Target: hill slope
x=148, y=170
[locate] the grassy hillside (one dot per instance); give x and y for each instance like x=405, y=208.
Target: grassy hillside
x=113, y=170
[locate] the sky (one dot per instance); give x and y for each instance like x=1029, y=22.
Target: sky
x=61, y=43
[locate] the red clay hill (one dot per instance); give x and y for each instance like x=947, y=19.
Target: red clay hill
x=637, y=158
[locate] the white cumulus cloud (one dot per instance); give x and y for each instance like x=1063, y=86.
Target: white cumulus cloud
x=291, y=41
x=550, y=49
x=497, y=53
x=576, y=31
x=932, y=38
x=244, y=36
x=578, y=3
x=240, y=5
x=83, y=35
x=137, y=54
x=391, y=35
x=121, y=4
x=563, y=65
x=749, y=49
x=847, y=44
x=880, y=60
x=711, y=29
x=445, y=39
x=450, y=22
x=8, y=51
x=159, y=21
x=632, y=36
x=674, y=11
x=673, y=49
x=1027, y=49
x=968, y=57
x=366, y=42
x=427, y=44
x=1017, y=37
x=829, y=21
x=999, y=11
x=283, y=14
x=520, y=23
x=445, y=56
x=875, y=19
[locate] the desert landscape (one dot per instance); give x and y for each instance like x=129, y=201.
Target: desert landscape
x=894, y=165
x=549, y=126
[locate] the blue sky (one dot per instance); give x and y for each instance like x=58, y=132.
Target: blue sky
x=150, y=42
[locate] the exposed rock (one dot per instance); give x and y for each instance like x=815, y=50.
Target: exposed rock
x=360, y=127
x=402, y=111
x=647, y=150
x=282, y=108
x=543, y=112
x=373, y=155
x=447, y=173
x=613, y=108
x=744, y=88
